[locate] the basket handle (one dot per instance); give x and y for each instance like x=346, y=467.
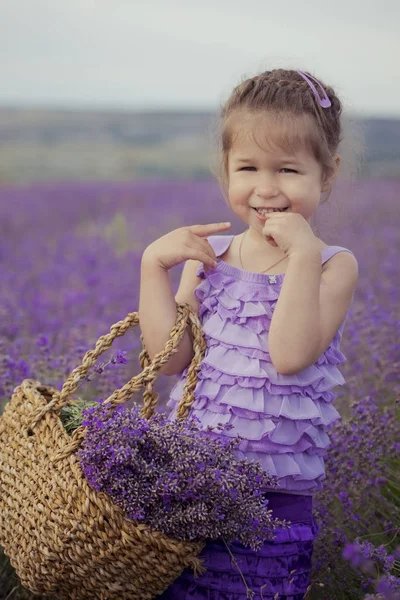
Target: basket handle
x=185, y=316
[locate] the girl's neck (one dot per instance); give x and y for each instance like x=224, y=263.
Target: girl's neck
x=255, y=242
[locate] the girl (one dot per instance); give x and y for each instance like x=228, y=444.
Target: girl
x=272, y=302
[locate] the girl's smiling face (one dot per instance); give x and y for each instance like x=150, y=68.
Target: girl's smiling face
x=263, y=175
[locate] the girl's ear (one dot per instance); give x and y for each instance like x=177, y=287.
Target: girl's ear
x=328, y=183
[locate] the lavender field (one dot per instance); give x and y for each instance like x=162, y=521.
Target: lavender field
x=70, y=267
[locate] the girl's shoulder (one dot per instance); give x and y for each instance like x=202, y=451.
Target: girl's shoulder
x=327, y=252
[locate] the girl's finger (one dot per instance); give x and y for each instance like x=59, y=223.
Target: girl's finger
x=204, y=230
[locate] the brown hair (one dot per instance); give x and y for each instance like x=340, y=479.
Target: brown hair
x=291, y=103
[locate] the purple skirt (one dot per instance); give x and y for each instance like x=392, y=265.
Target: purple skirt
x=280, y=570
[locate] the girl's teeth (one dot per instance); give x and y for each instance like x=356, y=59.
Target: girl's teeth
x=264, y=211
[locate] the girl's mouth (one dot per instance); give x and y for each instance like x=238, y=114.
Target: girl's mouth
x=263, y=215
x=262, y=211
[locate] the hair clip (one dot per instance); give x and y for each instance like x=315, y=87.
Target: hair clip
x=324, y=102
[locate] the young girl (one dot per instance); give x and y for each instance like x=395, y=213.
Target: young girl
x=272, y=303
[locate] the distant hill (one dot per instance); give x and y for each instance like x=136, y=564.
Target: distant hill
x=53, y=144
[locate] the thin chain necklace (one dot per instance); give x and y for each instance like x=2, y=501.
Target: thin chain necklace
x=240, y=256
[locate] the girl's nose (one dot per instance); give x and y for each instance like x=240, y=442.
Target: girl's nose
x=266, y=187
x=267, y=191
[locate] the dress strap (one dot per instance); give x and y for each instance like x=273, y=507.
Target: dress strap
x=330, y=251
x=220, y=243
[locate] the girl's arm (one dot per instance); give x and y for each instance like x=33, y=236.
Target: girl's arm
x=157, y=310
x=310, y=308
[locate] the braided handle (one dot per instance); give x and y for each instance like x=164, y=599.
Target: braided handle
x=185, y=316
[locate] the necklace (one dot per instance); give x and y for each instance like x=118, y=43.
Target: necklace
x=240, y=256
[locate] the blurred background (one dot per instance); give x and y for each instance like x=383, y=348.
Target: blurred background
x=128, y=90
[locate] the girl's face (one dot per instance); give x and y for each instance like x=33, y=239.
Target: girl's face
x=266, y=177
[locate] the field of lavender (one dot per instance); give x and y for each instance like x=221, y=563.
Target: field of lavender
x=70, y=267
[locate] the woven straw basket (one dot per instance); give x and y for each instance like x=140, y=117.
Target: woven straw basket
x=62, y=537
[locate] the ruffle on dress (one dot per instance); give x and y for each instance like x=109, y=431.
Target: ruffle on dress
x=282, y=418
x=229, y=366
x=269, y=440
x=280, y=569
x=230, y=309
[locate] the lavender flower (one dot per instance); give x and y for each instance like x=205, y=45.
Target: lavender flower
x=360, y=503
x=365, y=555
x=175, y=477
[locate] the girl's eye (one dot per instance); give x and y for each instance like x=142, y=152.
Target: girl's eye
x=254, y=168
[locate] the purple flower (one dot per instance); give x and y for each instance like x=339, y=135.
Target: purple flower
x=176, y=477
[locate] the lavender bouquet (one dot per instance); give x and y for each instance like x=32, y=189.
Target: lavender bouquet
x=176, y=477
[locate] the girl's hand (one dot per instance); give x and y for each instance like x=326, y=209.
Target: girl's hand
x=183, y=244
x=289, y=231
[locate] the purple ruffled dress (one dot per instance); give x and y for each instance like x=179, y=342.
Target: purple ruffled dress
x=281, y=417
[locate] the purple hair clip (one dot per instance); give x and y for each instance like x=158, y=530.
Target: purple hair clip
x=324, y=102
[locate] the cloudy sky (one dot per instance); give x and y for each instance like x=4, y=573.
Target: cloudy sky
x=150, y=54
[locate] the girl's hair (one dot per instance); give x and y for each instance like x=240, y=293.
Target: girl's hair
x=290, y=103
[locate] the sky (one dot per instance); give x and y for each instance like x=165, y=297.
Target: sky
x=186, y=54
